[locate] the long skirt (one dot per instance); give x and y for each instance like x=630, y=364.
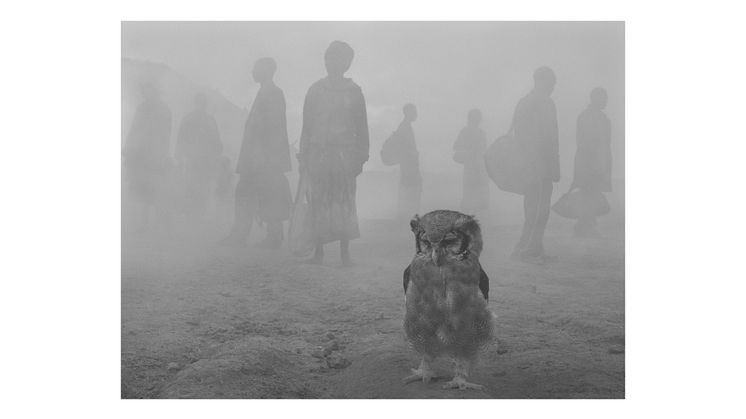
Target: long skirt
x=332, y=188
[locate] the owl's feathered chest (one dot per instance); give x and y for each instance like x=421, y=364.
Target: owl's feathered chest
x=445, y=311
x=443, y=286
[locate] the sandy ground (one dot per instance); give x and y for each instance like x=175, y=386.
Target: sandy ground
x=201, y=321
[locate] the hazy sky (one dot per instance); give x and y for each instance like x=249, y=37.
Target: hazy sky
x=445, y=68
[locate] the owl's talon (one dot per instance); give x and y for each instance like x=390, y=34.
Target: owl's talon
x=419, y=374
x=461, y=384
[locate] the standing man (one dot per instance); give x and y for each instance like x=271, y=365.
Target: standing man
x=410, y=179
x=469, y=150
x=592, y=159
x=146, y=153
x=263, y=191
x=334, y=145
x=198, y=150
x=535, y=128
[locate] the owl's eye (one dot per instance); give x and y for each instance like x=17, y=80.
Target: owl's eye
x=425, y=242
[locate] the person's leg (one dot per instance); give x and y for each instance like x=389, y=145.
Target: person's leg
x=318, y=255
x=344, y=252
x=274, y=235
x=243, y=215
x=543, y=208
x=530, y=200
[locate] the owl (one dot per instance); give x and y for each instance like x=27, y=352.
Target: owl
x=445, y=294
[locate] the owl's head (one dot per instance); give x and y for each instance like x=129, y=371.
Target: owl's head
x=446, y=235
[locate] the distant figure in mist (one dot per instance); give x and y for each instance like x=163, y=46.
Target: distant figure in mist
x=592, y=157
x=469, y=150
x=263, y=192
x=146, y=152
x=535, y=128
x=224, y=187
x=198, y=152
x=334, y=146
x=410, y=179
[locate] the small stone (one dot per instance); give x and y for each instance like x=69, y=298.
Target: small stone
x=337, y=361
x=381, y=317
x=172, y=366
x=331, y=346
x=502, y=351
x=318, y=353
x=616, y=351
x=329, y=336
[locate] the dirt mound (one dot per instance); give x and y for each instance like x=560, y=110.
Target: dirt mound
x=252, y=368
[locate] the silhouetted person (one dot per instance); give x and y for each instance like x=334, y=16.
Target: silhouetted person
x=334, y=146
x=146, y=152
x=592, y=157
x=224, y=185
x=263, y=191
x=535, y=128
x=469, y=150
x=198, y=151
x=410, y=179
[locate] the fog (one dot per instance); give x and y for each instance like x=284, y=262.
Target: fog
x=222, y=299
x=445, y=68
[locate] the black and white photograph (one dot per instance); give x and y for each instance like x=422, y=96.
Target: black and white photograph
x=373, y=210
x=330, y=209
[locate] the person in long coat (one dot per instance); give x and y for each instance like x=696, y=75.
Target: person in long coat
x=469, y=150
x=535, y=128
x=410, y=178
x=334, y=145
x=263, y=192
x=146, y=152
x=198, y=152
x=592, y=158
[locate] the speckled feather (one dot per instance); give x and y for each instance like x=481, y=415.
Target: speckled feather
x=446, y=308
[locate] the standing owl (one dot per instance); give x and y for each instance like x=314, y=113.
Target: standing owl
x=446, y=293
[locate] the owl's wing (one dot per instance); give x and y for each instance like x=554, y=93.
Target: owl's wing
x=406, y=279
x=484, y=282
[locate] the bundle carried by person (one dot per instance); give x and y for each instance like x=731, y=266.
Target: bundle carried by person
x=507, y=164
x=391, y=151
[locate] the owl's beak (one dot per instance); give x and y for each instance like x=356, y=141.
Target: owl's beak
x=437, y=256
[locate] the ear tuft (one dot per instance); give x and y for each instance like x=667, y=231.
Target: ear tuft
x=414, y=223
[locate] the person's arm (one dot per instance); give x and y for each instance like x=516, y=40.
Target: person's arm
x=180, y=146
x=305, y=129
x=133, y=136
x=361, y=125
x=579, y=144
x=553, y=137
x=606, y=137
x=164, y=143
x=217, y=142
